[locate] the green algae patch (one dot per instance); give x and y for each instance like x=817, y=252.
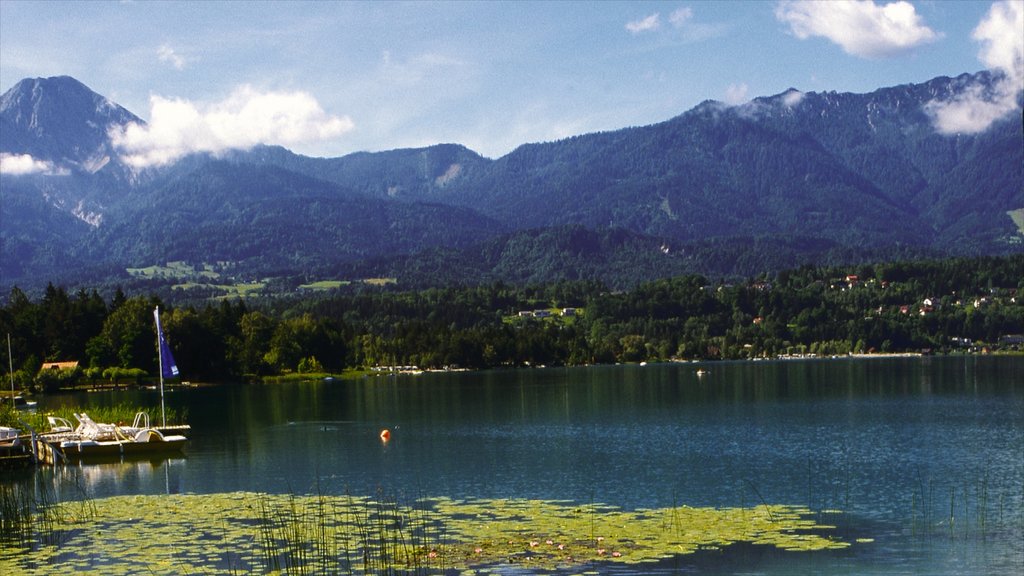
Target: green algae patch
x=246, y=532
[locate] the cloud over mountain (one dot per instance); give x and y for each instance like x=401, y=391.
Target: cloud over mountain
x=862, y=28
x=23, y=164
x=977, y=107
x=245, y=119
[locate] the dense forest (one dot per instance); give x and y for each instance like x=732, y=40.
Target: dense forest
x=932, y=306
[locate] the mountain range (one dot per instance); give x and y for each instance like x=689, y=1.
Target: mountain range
x=720, y=190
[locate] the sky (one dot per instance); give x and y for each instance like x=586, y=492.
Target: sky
x=331, y=78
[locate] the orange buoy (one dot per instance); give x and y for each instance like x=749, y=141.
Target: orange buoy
x=385, y=435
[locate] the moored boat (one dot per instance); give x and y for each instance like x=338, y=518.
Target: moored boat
x=22, y=404
x=9, y=436
x=92, y=440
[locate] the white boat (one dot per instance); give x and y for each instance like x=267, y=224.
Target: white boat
x=9, y=437
x=93, y=440
x=21, y=404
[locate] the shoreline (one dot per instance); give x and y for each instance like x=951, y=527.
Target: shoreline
x=361, y=373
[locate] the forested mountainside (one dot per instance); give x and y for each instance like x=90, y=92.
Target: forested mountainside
x=780, y=181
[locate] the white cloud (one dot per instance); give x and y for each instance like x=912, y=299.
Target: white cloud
x=684, y=27
x=792, y=98
x=977, y=107
x=736, y=94
x=245, y=119
x=681, y=16
x=652, y=22
x=1001, y=33
x=861, y=27
x=420, y=68
x=167, y=54
x=25, y=164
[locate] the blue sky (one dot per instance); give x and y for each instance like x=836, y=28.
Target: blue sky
x=331, y=78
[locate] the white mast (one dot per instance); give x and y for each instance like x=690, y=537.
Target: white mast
x=160, y=366
x=10, y=364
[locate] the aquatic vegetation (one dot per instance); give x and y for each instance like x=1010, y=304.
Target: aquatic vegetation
x=15, y=517
x=30, y=520
x=252, y=532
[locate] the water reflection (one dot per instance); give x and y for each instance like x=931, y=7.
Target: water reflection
x=115, y=476
x=922, y=455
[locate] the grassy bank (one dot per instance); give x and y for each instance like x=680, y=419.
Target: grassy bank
x=118, y=414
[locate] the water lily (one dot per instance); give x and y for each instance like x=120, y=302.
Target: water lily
x=653, y=534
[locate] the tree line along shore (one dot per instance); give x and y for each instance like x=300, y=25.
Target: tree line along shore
x=963, y=305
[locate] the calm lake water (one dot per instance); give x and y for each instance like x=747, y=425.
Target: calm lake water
x=924, y=456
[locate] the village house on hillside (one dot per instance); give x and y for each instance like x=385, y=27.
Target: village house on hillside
x=68, y=365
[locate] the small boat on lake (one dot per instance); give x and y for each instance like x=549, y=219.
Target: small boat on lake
x=13, y=448
x=22, y=404
x=91, y=440
x=9, y=436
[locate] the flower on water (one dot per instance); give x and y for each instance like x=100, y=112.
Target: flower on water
x=616, y=554
x=600, y=551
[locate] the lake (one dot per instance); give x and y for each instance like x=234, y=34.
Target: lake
x=916, y=465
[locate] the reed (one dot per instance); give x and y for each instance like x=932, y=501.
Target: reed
x=761, y=498
x=351, y=537
x=971, y=511
x=952, y=509
x=29, y=519
x=15, y=518
x=828, y=487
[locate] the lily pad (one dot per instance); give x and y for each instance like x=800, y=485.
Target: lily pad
x=254, y=532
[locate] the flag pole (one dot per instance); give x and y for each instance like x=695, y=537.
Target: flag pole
x=160, y=366
x=10, y=364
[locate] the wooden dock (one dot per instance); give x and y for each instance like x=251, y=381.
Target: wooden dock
x=44, y=449
x=17, y=456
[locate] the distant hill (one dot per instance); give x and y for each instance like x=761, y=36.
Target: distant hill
x=782, y=180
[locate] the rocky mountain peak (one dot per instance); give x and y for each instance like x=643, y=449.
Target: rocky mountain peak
x=59, y=120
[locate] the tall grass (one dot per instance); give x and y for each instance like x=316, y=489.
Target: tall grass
x=348, y=536
x=16, y=520
x=970, y=511
x=29, y=519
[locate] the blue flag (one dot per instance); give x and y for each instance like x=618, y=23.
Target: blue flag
x=167, y=365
